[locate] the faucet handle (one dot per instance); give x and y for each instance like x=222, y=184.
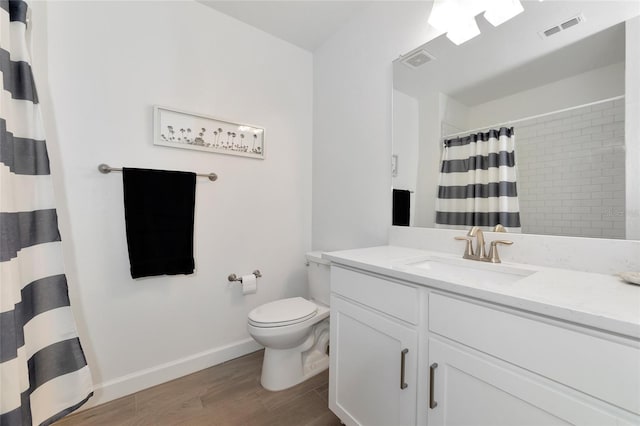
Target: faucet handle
x=468, y=250
x=499, y=228
x=493, y=251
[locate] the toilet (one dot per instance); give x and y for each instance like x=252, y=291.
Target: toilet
x=295, y=331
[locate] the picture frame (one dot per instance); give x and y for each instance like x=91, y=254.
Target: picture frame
x=187, y=130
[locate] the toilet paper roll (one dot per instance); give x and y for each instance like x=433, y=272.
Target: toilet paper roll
x=249, y=284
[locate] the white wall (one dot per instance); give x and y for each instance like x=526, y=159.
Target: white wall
x=454, y=115
x=100, y=67
x=405, y=136
x=352, y=123
x=591, y=86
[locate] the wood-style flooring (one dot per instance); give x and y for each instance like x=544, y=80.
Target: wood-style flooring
x=226, y=394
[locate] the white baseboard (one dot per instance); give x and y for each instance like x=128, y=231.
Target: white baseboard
x=143, y=379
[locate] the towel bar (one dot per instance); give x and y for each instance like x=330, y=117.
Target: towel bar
x=234, y=277
x=105, y=168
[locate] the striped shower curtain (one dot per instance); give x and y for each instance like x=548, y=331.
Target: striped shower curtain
x=477, y=184
x=43, y=371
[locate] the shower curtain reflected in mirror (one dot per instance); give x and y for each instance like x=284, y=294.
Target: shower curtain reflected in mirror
x=477, y=185
x=43, y=371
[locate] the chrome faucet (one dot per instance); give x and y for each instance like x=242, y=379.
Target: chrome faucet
x=480, y=253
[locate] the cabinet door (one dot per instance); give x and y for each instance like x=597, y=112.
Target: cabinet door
x=471, y=388
x=368, y=351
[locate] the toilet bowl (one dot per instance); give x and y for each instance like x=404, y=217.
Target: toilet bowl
x=295, y=331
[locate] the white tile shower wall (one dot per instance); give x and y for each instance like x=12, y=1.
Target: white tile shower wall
x=571, y=168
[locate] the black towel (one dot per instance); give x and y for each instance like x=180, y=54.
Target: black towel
x=401, y=207
x=158, y=211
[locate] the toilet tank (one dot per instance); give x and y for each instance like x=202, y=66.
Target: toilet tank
x=318, y=276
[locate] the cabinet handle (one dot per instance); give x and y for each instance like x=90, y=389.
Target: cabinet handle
x=403, y=355
x=432, y=373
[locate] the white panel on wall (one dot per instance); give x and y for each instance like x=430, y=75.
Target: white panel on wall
x=101, y=68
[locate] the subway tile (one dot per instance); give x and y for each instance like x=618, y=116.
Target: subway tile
x=571, y=133
x=582, y=124
x=612, y=171
x=603, y=106
x=603, y=120
x=613, y=111
x=568, y=166
x=602, y=224
x=602, y=180
x=571, y=120
x=591, y=202
x=613, y=127
x=588, y=130
x=581, y=111
x=592, y=115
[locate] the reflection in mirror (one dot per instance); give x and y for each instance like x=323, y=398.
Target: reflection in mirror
x=515, y=111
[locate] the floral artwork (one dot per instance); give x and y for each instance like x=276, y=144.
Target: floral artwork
x=185, y=130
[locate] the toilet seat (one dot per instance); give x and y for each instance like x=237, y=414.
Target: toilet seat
x=282, y=312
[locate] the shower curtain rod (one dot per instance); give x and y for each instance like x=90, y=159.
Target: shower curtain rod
x=105, y=168
x=466, y=132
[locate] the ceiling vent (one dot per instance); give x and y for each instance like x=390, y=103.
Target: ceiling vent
x=562, y=26
x=418, y=58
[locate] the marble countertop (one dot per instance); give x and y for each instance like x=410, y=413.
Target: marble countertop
x=596, y=300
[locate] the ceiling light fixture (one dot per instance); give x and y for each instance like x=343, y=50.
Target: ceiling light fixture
x=500, y=11
x=464, y=30
x=457, y=19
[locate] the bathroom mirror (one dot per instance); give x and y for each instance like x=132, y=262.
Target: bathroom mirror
x=563, y=75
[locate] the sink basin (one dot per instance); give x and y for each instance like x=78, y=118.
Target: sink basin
x=466, y=271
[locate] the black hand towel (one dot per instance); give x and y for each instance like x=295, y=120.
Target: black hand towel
x=159, y=210
x=401, y=207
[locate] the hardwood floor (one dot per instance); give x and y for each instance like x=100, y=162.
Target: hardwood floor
x=227, y=394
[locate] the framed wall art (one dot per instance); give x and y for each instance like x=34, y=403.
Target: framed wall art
x=180, y=129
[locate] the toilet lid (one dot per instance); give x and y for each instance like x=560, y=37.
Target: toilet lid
x=282, y=312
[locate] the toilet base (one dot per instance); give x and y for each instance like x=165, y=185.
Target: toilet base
x=285, y=368
x=282, y=371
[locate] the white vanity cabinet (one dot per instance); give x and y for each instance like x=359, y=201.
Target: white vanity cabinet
x=495, y=366
x=470, y=361
x=374, y=350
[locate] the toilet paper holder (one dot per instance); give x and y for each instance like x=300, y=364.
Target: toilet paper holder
x=234, y=277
